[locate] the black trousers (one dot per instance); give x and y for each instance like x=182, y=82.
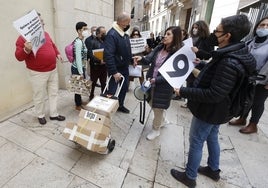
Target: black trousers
x=77, y=97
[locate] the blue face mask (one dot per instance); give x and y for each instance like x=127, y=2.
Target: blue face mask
x=262, y=32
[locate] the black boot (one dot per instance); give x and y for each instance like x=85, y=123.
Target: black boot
x=207, y=171
x=181, y=177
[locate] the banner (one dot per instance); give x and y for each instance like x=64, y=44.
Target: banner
x=178, y=67
x=137, y=45
x=30, y=27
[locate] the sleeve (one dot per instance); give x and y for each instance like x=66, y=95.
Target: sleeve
x=78, y=55
x=20, y=54
x=109, y=54
x=222, y=83
x=89, y=45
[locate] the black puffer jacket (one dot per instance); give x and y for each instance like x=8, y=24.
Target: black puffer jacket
x=210, y=97
x=162, y=91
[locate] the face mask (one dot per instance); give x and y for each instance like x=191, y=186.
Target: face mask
x=195, y=31
x=103, y=37
x=94, y=33
x=213, y=40
x=127, y=27
x=262, y=32
x=85, y=34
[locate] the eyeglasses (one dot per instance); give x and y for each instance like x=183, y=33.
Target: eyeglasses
x=216, y=31
x=137, y=34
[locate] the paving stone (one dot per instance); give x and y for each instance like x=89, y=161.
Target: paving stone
x=22, y=136
x=59, y=154
x=98, y=172
x=132, y=180
x=41, y=173
x=125, y=163
x=12, y=160
x=2, y=141
x=78, y=182
x=252, y=156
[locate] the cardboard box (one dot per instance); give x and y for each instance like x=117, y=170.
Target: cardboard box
x=103, y=106
x=95, y=118
x=86, y=137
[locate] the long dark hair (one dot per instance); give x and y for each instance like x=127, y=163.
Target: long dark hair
x=176, y=43
x=203, y=30
x=257, y=24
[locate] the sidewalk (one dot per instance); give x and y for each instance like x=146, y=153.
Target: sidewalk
x=32, y=155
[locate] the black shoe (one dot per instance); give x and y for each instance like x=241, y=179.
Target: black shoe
x=181, y=177
x=58, y=118
x=123, y=109
x=207, y=171
x=42, y=120
x=177, y=98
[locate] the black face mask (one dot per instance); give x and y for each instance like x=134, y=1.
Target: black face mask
x=127, y=27
x=213, y=40
x=103, y=37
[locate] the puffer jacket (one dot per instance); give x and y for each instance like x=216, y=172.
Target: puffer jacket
x=162, y=91
x=210, y=97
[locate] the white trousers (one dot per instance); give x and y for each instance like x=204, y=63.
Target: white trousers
x=45, y=84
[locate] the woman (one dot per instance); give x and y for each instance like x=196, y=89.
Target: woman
x=161, y=91
x=258, y=48
x=79, y=64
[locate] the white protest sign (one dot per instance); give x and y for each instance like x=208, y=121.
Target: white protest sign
x=30, y=27
x=145, y=34
x=137, y=45
x=178, y=67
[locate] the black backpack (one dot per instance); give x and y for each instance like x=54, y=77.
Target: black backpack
x=243, y=96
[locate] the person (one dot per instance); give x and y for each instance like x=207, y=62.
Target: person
x=117, y=55
x=87, y=42
x=185, y=34
x=79, y=64
x=43, y=74
x=161, y=90
x=136, y=34
x=258, y=48
x=151, y=43
x=199, y=33
x=159, y=38
x=210, y=96
x=97, y=65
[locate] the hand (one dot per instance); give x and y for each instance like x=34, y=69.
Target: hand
x=102, y=62
x=177, y=91
x=194, y=49
x=28, y=47
x=152, y=81
x=117, y=77
x=196, y=61
x=60, y=58
x=136, y=59
x=266, y=86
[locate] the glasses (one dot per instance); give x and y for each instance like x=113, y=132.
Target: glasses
x=137, y=34
x=216, y=31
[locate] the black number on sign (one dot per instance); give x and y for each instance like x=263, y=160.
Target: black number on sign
x=91, y=116
x=178, y=71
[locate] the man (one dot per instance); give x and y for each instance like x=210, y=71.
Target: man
x=97, y=65
x=43, y=74
x=210, y=96
x=87, y=41
x=117, y=55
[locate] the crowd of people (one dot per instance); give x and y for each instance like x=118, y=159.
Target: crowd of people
x=221, y=58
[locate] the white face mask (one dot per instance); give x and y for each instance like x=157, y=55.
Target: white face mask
x=94, y=33
x=85, y=34
x=262, y=32
x=195, y=31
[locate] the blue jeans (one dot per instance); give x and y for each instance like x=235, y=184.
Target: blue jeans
x=200, y=132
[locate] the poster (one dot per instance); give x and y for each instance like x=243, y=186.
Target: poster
x=178, y=67
x=30, y=27
x=137, y=45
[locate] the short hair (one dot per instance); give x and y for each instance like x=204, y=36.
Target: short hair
x=238, y=26
x=122, y=17
x=80, y=25
x=176, y=43
x=98, y=29
x=257, y=24
x=203, y=30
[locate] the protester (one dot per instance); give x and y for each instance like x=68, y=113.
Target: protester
x=161, y=91
x=43, y=74
x=97, y=66
x=87, y=41
x=117, y=55
x=258, y=48
x=79, y=64
x=209, y=98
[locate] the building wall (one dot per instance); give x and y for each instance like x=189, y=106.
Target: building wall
x=60, y=18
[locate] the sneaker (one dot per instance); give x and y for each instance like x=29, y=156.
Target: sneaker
x=58, y=118
x=207, y=171
x=42, y=120
x=153, y=134
x=123, y=109
x=181, y=177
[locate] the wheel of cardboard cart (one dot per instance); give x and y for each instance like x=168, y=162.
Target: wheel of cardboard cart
x=111, y=145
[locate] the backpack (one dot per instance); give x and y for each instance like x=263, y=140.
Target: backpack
x=69, y=52
x=243, y=97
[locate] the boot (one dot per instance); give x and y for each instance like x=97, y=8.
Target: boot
x=181, y=177
x=250, y=128
x=207, y=171
x=238, y=122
